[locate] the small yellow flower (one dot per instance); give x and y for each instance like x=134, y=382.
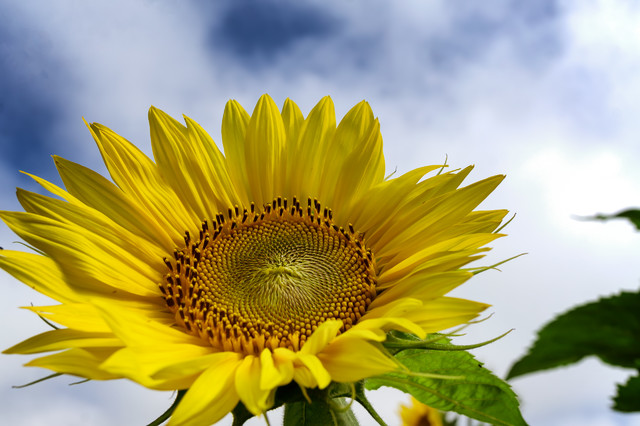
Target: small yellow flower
x=419, y=414
x=286, y=259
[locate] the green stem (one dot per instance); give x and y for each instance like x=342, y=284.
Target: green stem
x=362, y=399
x=165, y=416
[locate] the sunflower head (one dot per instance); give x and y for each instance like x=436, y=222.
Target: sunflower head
x=286, y=259
x=419, y=414
x=269, y=278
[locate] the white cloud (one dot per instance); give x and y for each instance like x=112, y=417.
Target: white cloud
x=582, y=183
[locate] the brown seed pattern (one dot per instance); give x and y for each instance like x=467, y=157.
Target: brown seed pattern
x=268, y=279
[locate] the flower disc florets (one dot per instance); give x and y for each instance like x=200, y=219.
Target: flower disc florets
x=254, y=280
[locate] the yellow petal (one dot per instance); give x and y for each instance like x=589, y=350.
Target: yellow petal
x=141, y=255
x=462, y=247
x=78, y=316
x=214, y=166
x=317, y=370
x=176, y=160
x=303, y=377
x=55, y=340
x=99, y=193
x=493, y=218
x=292, y=119
x=247, y=384
x=78, y=362
x=139, y=178
x=446, y=312
x=38, y=272
x=349, y=360
x=276, y=371
x=264, y=145
x=439, y=218
x=199, y=361
x=393, y=315
x=395, y=308
x=393, y=323
x=137, y=329
x=362, y=169
x=191, y=163
x=422, y=286
x=367, y=330
x=423, y=197
x=312, y=149
x=416, y=247
x=325, y=332
x=93, y=266
x=350, y=135
x=380, y=204
x=139, y=367
x=164, y=367
x=211, y=397
x=234, y=129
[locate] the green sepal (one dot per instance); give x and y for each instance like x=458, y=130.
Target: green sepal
x=167, y=414
x=240, y=414
x=49, y=323
x=324, y=410
x=331, y=400
x=398, y=341
x=50, y=376
x=481, y=269
x=475, y=393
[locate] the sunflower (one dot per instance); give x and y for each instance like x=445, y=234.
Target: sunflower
x=287, y=259
x=419, y=414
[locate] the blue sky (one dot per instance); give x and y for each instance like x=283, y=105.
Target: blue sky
x=543, y=91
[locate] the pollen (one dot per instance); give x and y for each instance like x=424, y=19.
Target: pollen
x=266, y=279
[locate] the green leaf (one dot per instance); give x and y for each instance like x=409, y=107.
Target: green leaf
x=608, y=328
x=319, y=413
x=240, y=414
x=628, y=397
x=479, y=394
x=632, y=214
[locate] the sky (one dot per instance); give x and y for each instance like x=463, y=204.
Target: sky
x=544, y=91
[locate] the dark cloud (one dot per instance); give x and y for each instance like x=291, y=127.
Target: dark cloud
x=30, y=105
x=530, y=28
x=258, y=31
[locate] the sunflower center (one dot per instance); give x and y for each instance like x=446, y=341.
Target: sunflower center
x=270, y=278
